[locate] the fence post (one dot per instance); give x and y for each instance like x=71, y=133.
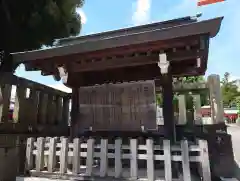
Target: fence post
x=5, y=96
x=150, y=160
x=167, y=160
x=118, y=157
x=134, y=161
x=64, y=155
x=185, y=160
x=34, y=97
x=90, y=152
x=40, y=154
x=20, y=105
x=52, y=154
x=203, y=144
x=51, y=109
x=29, y=153
x=76, y=155
x=104, y=158
x=43, y=107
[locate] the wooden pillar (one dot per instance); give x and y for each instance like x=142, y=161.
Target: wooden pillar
x=197, y=109
x=169, y=124
x=167, y=93
x=215, y=99
x=74, y=112
x=182, y=119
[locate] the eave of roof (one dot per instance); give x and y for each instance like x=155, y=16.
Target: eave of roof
x=126, y=31
x=210, y=27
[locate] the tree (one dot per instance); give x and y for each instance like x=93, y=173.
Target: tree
x=29, y=24
x=237, y=100
x=229, y=90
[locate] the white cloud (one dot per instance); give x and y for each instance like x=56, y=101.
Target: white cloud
x=83, y=15
x=141, y=13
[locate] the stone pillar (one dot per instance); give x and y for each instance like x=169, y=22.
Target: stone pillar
x=217, y=112
x=182, y=119
x=197, y=109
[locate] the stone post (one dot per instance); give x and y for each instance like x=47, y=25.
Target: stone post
x=197, y=109
x=182, y=119
x=217, y=112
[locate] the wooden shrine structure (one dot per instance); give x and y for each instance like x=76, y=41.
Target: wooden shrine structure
x=114, y=77
x=158, y=51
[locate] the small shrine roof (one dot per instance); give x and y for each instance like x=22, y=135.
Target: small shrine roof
x=125, y=37
x=129, y=54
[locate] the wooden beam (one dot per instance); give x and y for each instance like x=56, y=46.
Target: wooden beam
x=146, y=72
x=48, y=67
x=130, y=60
x=156, y=46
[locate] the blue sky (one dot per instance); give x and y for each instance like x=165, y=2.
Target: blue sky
x=105, y=15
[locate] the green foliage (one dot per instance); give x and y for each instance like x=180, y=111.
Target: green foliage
x=159, y=100
x=237, y=100
x=229, y=90
x=189, y=101
x=29, y=24
x=203, y=94
x=193, y=79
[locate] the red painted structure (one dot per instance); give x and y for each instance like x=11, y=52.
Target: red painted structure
x=230, y=114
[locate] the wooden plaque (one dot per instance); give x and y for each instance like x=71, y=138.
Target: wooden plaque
x=125, y=106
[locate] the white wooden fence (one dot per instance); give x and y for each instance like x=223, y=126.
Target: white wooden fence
x=54, y=156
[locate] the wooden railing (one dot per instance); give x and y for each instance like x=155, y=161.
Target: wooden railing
x=59, y=158
x=37, y=108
